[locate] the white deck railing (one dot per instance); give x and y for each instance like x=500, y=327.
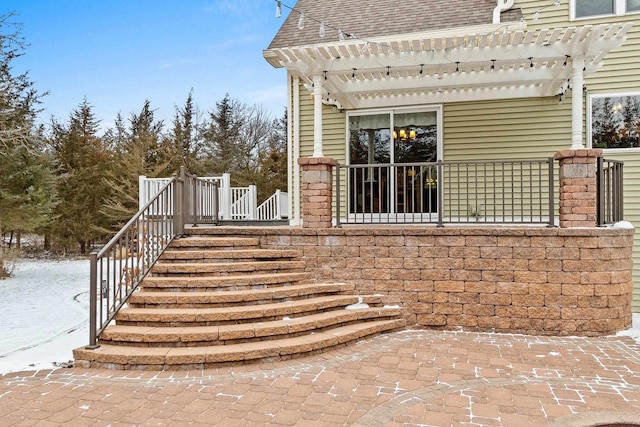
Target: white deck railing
x=236, y=203
x=275, y=207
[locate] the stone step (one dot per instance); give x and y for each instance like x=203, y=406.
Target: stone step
x=214, y=242
x=236, y=314
x=157, y=358
x=232, y=282
x=224, y=268
x=226, y=298
x=229, y=255
x=232, y=334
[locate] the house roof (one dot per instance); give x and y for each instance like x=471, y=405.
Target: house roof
x=374, y=18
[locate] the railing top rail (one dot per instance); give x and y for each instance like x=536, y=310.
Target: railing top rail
x=364, y=165
x=617, y=162
x=447, y=162
x=132, y=221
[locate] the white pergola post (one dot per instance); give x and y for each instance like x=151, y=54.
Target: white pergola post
x=317, y=116
x=577, y=104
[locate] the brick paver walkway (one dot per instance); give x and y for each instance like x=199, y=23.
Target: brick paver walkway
x=404, y=378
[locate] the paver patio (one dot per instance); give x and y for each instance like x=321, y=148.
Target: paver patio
x=404, y=378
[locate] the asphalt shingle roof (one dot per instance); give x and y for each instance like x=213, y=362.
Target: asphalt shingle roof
x=371, y=18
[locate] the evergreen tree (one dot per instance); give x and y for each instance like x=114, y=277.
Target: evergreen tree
x=136, y=151
x=223, y=139
x=82, y=161
x=27, y=196
x=184, y=142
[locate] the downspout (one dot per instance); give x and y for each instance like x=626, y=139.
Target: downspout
x=502, y=6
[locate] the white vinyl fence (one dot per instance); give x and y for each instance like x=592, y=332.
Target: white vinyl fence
x=236, y=203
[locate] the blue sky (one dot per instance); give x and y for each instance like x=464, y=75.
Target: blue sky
x=118, y=53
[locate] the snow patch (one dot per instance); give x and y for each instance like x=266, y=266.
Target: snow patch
x=623, y=224
x=391, y=306
x=634, y=330
x=358, y=306
x=44, y=311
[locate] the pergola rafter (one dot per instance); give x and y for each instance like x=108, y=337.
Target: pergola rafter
x=407, y=68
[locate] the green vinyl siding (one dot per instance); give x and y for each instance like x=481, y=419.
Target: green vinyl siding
x=619, y=74
x=508, y=129
x=333, y=131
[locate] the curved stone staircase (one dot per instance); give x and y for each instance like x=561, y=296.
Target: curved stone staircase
x=213, y=300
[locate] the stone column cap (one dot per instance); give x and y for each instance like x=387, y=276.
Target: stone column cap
x=305, y=161
x=583, y=152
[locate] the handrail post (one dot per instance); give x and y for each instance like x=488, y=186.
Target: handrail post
x=600, y=186
x=93, y=301
x=216, y=201
x=620, y=189
x=552, y=197
x=178, y=204
x=440, y=192
x=338, y=207
x=278, y=205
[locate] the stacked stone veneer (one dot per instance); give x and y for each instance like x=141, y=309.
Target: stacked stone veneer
x=578, y=187
x=317, y=191
x=546, y=281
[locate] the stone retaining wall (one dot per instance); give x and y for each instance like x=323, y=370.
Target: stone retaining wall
x=548, y=281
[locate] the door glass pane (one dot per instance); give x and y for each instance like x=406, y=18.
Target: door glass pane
x=369, y=144
x=633, y=5
x=415, y=138
x=594, y=7
x=369, y=139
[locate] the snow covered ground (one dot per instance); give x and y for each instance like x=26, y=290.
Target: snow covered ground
x=44, y=314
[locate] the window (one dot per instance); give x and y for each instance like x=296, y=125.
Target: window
x=596, y=8
x=633, y=5
x=615, y=121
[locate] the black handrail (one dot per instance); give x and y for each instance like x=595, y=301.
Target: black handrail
x=117, y=269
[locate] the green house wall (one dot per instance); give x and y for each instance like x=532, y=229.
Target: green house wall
x=518, y=128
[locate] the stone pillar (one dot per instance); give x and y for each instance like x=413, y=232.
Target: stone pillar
x=317, y=191
x=578, y=187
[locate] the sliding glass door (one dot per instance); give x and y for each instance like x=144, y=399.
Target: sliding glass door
x=392, y=156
